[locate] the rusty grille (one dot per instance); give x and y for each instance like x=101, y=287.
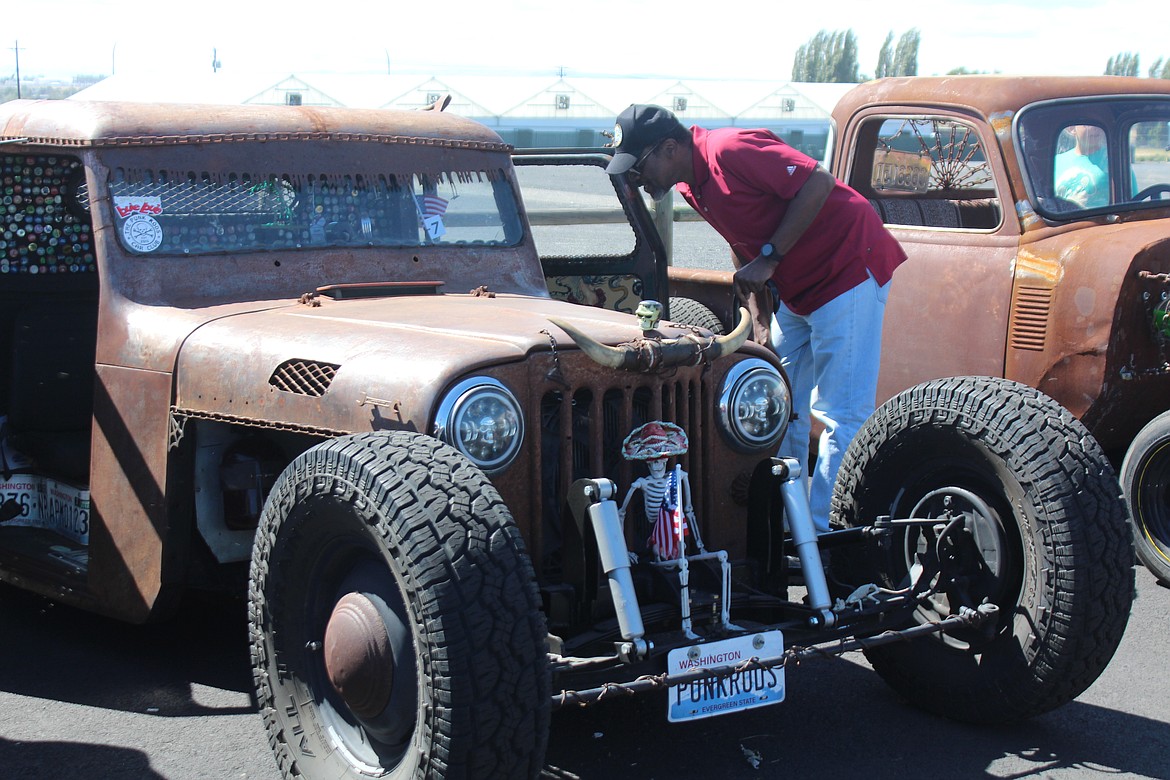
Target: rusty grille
x=581, y=432
x=1030, y=318
x=303, y=377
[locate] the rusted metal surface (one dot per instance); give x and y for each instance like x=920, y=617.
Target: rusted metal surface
x=957, y=286
x=994, y=98
x=1096, y=338
x=440, y=339
x=132, y=525
x=81, y=123
x=358, y=656
x=988, y=94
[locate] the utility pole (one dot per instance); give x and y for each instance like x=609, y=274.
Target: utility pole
x=16, y=50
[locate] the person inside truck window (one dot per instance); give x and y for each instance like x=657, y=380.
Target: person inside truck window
x=794, y=231
x=1081, y=173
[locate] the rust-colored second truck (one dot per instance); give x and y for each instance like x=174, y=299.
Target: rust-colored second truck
x=314, y=355
x=1036, y=216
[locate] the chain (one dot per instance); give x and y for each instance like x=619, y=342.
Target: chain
x=555, y=374
x=794, y=655
x=189, y=414
x=652, y=682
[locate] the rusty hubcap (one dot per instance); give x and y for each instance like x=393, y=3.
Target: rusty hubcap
x=358, y=658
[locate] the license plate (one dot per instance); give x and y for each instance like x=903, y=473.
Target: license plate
x=710, y=696
x=46, y=503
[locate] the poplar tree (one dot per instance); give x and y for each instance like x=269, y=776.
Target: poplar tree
x=906, y=55
x=885, y=66
x=827, y=57
x=1123, y=64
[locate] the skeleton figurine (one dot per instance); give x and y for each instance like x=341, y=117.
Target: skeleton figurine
x=663, y=495
x=667, y=500
x=649, y=312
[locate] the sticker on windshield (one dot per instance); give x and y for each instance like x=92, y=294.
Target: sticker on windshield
x=142, y=233
x=128, y=205
x=431, y=209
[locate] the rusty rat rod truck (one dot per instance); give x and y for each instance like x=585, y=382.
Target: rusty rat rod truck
x=1036, y=215
x=312, y=353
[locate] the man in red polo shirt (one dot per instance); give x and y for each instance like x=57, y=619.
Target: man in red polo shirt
x=793, y=228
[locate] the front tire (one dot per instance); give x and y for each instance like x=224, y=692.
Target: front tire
x=395, y=625
x=1145, y=479
x=1044, y=537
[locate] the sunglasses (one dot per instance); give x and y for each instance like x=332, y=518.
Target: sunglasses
x=636, y=168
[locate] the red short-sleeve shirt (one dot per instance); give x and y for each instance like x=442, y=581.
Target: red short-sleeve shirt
x=745, y=180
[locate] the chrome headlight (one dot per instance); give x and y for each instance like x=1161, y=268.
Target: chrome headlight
x=482, y=419
x=755, y=406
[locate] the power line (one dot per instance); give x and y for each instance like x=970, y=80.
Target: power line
x=16, y=51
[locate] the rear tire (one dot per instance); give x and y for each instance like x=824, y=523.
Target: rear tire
x=1145, y=479
x=389, y=563
x=1045, y=539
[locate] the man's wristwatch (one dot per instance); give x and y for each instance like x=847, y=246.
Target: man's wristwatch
x=769, y=252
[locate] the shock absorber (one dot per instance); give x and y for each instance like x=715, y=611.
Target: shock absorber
x=615, y=561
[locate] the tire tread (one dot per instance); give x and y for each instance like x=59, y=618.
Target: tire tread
x=472, y=590
x=1082, y=543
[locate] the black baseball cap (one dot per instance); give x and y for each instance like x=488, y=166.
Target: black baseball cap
x=637, y=129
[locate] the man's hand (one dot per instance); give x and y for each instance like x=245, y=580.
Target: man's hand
x=752, y=277
x=801, y=212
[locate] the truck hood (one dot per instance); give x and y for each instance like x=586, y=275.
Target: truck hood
x=402, y=350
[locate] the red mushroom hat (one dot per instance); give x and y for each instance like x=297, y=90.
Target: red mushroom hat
x=655, y=440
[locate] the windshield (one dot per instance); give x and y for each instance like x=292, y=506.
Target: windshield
x=1096, y=155
x=250, y=197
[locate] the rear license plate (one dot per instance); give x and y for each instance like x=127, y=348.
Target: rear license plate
x=710, y=696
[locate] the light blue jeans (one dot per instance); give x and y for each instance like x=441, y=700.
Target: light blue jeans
x=832, y=358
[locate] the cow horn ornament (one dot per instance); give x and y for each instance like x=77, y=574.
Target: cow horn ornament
x=651, y=354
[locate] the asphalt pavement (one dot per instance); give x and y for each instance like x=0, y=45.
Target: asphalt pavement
x=83, y=696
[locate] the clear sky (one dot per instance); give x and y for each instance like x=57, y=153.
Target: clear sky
x=673, y=38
